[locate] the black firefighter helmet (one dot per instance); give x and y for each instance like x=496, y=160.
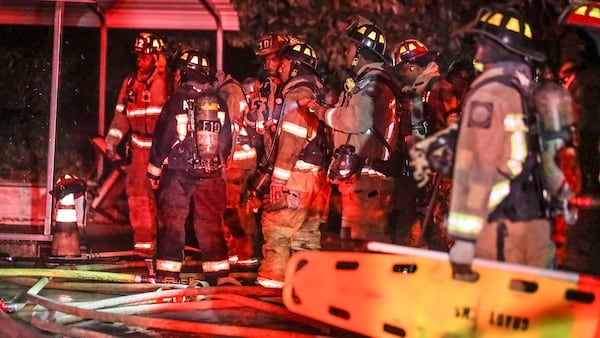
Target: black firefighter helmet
x=509, y=29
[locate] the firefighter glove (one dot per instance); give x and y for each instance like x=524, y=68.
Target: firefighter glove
x=153, y=183
x=276, y=199
x=312, y=106
x=420, y=165
x=111, y=149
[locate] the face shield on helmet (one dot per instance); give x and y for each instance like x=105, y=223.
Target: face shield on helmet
x=368, y=37
x=508, y=28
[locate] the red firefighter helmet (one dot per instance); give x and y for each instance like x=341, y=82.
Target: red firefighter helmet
x=586, y=16
x=270, y=43
x=148, y=43
x=409, y=51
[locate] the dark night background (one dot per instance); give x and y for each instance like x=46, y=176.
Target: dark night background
x=26, y=56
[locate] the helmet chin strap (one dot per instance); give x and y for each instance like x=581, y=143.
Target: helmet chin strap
x=355, y=58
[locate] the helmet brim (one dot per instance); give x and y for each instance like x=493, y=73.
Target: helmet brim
x=531, y=53
x=384, y=58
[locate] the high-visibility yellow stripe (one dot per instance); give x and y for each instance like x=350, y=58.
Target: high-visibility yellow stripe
x=119, y=108
x=141, y=142
x=154, y=170
x=166, y=265
x=243, y=105
x=150, y=111
x=499, y=192
x=514, y=122
x=301, y=165
x=244, y=154
x=328, y=116
x=294, y=129
x=269, y=283
x=215, y=266
x=465, y=224
x=117, y=133
x=371, y=172
x=144, y=245
x=281, y=174
x=221, y=117
x=182, y=126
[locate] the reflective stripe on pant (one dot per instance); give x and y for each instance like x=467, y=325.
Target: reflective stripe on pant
x=366, y=206
x=527, y=243
x=289, y=230
x=177, y=192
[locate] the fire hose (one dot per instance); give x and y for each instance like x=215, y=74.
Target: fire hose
x=224, y=296
x=160, y=323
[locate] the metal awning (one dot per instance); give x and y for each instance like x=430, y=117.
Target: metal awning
x=214, y=15
x=131, y=14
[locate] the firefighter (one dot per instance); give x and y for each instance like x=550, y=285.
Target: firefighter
x=580, y=53
x=365, y=132
x=141, y=98
x=496, y=209
x=460, y=74
x=299, y=190
x=190, y=145
x=582, y=82
x=417, y=66
x=240, y=225
x=265, y=111
x=429, y=99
